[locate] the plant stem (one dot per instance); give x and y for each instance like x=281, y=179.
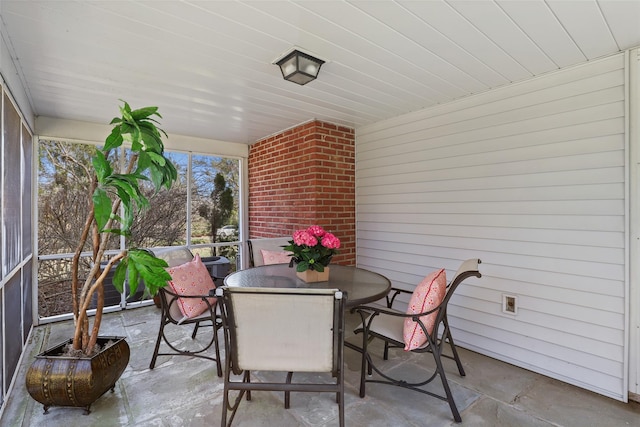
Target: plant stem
x=81, y=338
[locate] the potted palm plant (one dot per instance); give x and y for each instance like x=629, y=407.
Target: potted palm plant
x=88, y=364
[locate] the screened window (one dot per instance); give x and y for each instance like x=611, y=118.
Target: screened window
x=193, y=212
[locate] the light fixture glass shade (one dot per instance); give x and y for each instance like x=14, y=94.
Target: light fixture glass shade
x=300, y=68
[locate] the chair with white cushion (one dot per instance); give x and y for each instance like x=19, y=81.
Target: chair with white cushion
x=423, y=328
x=284, y=330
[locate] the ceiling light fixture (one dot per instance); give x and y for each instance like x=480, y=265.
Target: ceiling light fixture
x=299, y=67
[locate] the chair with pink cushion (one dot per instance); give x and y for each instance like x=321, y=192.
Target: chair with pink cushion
x=268, y=251
x=423, y=328
x=187, y=300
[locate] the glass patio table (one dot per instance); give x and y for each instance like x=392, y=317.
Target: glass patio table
x=362, y=286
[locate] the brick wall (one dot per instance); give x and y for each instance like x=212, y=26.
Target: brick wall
x=301, y=177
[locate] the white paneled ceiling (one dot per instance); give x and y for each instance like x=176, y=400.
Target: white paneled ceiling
x=207, y=64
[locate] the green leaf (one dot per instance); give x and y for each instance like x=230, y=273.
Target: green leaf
x=152, y=123
x=157, y=177
x=127, y=184
x=132, y=177
x=151, y=269
x=124, y=196
x=114, y=139
x=116, y=182
x=173, y=172
x=152, y=141
x=119, y=275
x=302, y=266
x=143, y=113
x=101, y=165
x=134, y=278
x=125, y=111
x=127, y=220
x=129, y=193
x=169, y=174
x=116, y=231
x=101, y=207
x=158, y=159
x=144, y=161
x=129, y=210
x=136, y=144
x=126, y=128
x=145, y=257
x=155, y=278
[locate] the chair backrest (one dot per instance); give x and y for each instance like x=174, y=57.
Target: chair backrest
x=467, y=269
x=270, y=244
x=174, y=256
x=283, y=329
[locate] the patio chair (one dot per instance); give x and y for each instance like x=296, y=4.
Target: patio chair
x=173, y=305
x=284, y=330
x=394, y=327
x=271, y=246
x=390, y=299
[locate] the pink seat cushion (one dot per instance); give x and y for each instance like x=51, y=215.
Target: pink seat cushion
x=427, y=296
x=192, y=278
x=275, y=257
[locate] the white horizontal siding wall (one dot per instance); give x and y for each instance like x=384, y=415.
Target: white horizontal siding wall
x=634, y=185
x=531, y=180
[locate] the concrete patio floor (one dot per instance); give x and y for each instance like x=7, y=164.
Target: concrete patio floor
x=183, y=391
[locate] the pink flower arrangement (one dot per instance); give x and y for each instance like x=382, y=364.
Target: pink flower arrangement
x=312, y=248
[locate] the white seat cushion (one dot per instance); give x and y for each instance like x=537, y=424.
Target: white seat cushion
x=387, y=326
x=391, y=327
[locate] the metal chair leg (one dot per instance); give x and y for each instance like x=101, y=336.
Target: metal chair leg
x=445, y=384
x=455, y=354
x=157, y=348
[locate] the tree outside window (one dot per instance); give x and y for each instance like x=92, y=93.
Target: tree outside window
x=64, y=168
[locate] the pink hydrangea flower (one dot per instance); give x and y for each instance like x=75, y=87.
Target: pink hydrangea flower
x=330, y=241
x=303, y=237
x=316, y=230
x=312, y=248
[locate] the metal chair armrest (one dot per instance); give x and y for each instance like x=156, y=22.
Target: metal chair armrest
x=175, y=295
x=393, y=293
x=170, y=298
x=369, y=309
x=391, y=312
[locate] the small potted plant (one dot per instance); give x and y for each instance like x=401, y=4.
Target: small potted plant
x=312, y=250
x=93, y=363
